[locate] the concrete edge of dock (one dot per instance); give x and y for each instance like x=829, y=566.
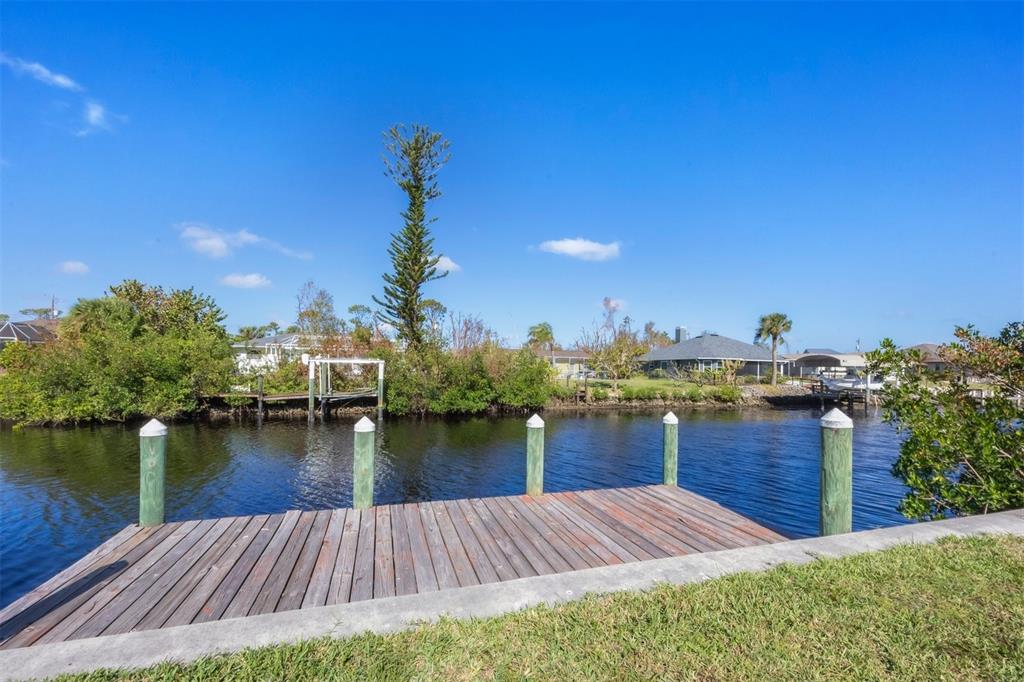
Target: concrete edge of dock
x=190, y=642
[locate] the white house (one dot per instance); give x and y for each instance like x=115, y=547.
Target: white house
x=268, y=352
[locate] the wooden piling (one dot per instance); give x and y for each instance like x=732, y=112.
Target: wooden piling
x=380, y=386
x=670, y=455
x=259, y=398
x=312, y=379
x=836, y=494
x=152, y=472
x=362, y=464
x=535, y=456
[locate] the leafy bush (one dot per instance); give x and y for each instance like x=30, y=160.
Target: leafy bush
x=599, y=394
x=723, y=394
x=429, y=380
x=465, y=386
x=961, y=455
x=523, y=382
x=690, y=394
x=561, y=391
x=412, y=379
x=140, y=352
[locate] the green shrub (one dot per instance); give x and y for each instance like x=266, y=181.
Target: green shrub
x=523, y=382
x=648, y=393
x=561, y=391
x=141, y=352
x=412, y=379
x=431, y=380
x=691, y=394
x=723, y=394
x=465, y=386
x=599, y=394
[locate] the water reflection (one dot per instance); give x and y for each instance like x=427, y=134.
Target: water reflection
x=66, y=490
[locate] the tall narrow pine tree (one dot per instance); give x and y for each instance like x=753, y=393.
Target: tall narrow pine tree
x=413, y=158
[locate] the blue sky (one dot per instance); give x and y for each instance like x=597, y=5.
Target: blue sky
x=857, y=166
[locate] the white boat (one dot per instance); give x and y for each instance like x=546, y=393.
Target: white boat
x=854, y=383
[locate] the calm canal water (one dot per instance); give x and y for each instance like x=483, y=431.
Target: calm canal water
x=64, y=491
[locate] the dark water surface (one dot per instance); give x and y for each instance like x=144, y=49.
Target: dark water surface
x=64, y=491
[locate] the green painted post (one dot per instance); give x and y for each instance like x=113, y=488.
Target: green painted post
x=836, y=497
x=535, y=456
x=670, y=458
x=362, y=464
x=152, y=470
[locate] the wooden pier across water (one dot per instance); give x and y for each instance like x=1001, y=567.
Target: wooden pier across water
x=196, y=571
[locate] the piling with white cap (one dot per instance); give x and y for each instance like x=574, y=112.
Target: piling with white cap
x=535, y=456
x=152, y=472
x=836, y=491
x=362, y=464
x=670, y=456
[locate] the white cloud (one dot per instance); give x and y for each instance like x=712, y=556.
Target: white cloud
x=218, y=243
x=95, y=117
x=74, y=267
x=39, y=72
x=253, y=280
x=446, y=264
x=584, y=249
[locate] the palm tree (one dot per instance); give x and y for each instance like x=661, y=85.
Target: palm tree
x=542, y=336
x=773, y=326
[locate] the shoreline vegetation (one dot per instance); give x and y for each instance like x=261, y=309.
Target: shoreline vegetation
x=949, y=610
x=143, y=351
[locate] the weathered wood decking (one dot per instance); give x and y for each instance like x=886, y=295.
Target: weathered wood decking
x=196, y=571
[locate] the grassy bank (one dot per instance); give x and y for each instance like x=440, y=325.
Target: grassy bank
x=952, y=610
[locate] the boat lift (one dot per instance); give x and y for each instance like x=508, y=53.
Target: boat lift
x=323, y=390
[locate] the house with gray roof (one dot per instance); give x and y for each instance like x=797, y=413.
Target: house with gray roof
x=707, y=352
x=30, y=332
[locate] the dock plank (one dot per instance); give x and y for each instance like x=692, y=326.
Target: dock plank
x=344, y=569
x=320, y=580
x=273, y=589
x=523, y=544
x=426, y=579
x=362, y=572
x=227, y=590
x=170, y=573
x=298, y=581
x=444, y=570
x=249, y=591
x=203, y=592
x=383, y=554
x=464, y=572
x=600, y=548
x=478, y=558
x=172, y=601
x=405, y=573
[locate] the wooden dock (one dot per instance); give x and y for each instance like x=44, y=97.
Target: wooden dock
x=196, y=571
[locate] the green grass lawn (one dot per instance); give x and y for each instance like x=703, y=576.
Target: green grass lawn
x=948, y=611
